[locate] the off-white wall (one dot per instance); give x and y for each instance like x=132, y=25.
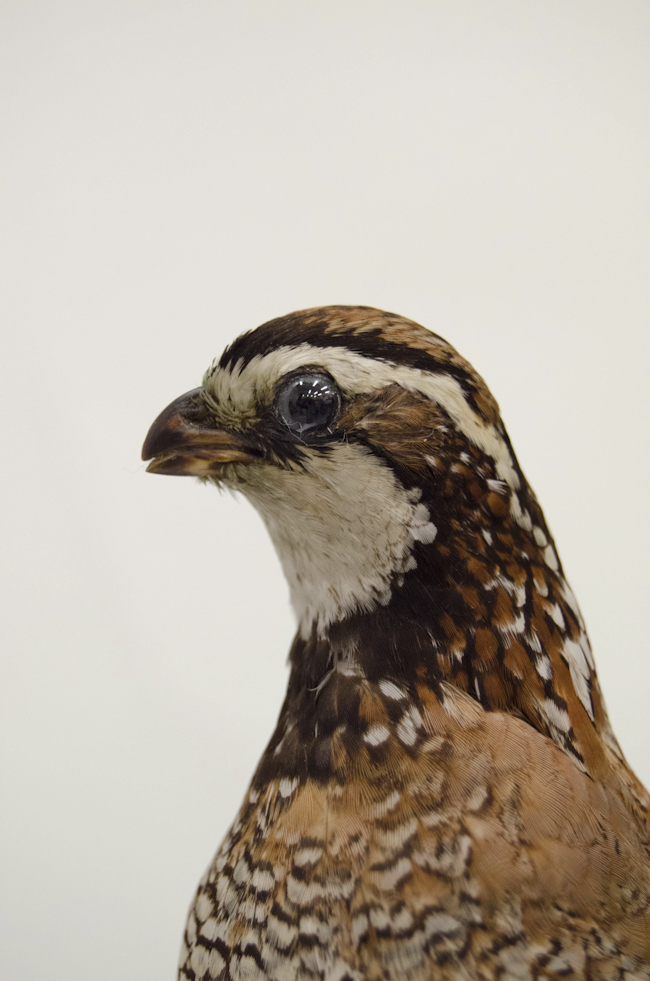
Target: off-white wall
x=180, y=170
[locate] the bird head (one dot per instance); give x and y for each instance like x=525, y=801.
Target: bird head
x=416, y=553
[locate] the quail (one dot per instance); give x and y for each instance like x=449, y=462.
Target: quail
x=443, y=796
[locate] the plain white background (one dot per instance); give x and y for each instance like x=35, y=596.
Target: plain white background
x=177, y=171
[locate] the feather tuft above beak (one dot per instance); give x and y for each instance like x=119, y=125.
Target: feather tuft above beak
x=182, y=442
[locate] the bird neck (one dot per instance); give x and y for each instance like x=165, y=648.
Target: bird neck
x=486, y=612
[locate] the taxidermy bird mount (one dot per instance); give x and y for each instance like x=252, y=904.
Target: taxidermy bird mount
x=443, y=796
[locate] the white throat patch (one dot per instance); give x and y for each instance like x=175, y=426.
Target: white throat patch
x=344, y=528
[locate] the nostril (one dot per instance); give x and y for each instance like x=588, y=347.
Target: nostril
x=171, y=427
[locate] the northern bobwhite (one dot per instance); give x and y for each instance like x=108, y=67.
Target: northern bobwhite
x=443, y=796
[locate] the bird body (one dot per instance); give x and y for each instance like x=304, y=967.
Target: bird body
x=443, y=796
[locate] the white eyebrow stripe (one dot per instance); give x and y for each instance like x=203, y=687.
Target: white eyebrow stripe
x=242, y=385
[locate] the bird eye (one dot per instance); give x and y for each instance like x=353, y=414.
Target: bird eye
x=308, y=403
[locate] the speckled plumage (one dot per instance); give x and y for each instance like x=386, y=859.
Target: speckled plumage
x=443, y=796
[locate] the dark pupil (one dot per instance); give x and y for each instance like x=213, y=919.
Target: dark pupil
x=308, y=403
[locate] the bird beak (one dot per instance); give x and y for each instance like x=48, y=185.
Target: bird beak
x=182, y=443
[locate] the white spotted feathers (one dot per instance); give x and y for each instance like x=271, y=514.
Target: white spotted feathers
x=443, y=796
